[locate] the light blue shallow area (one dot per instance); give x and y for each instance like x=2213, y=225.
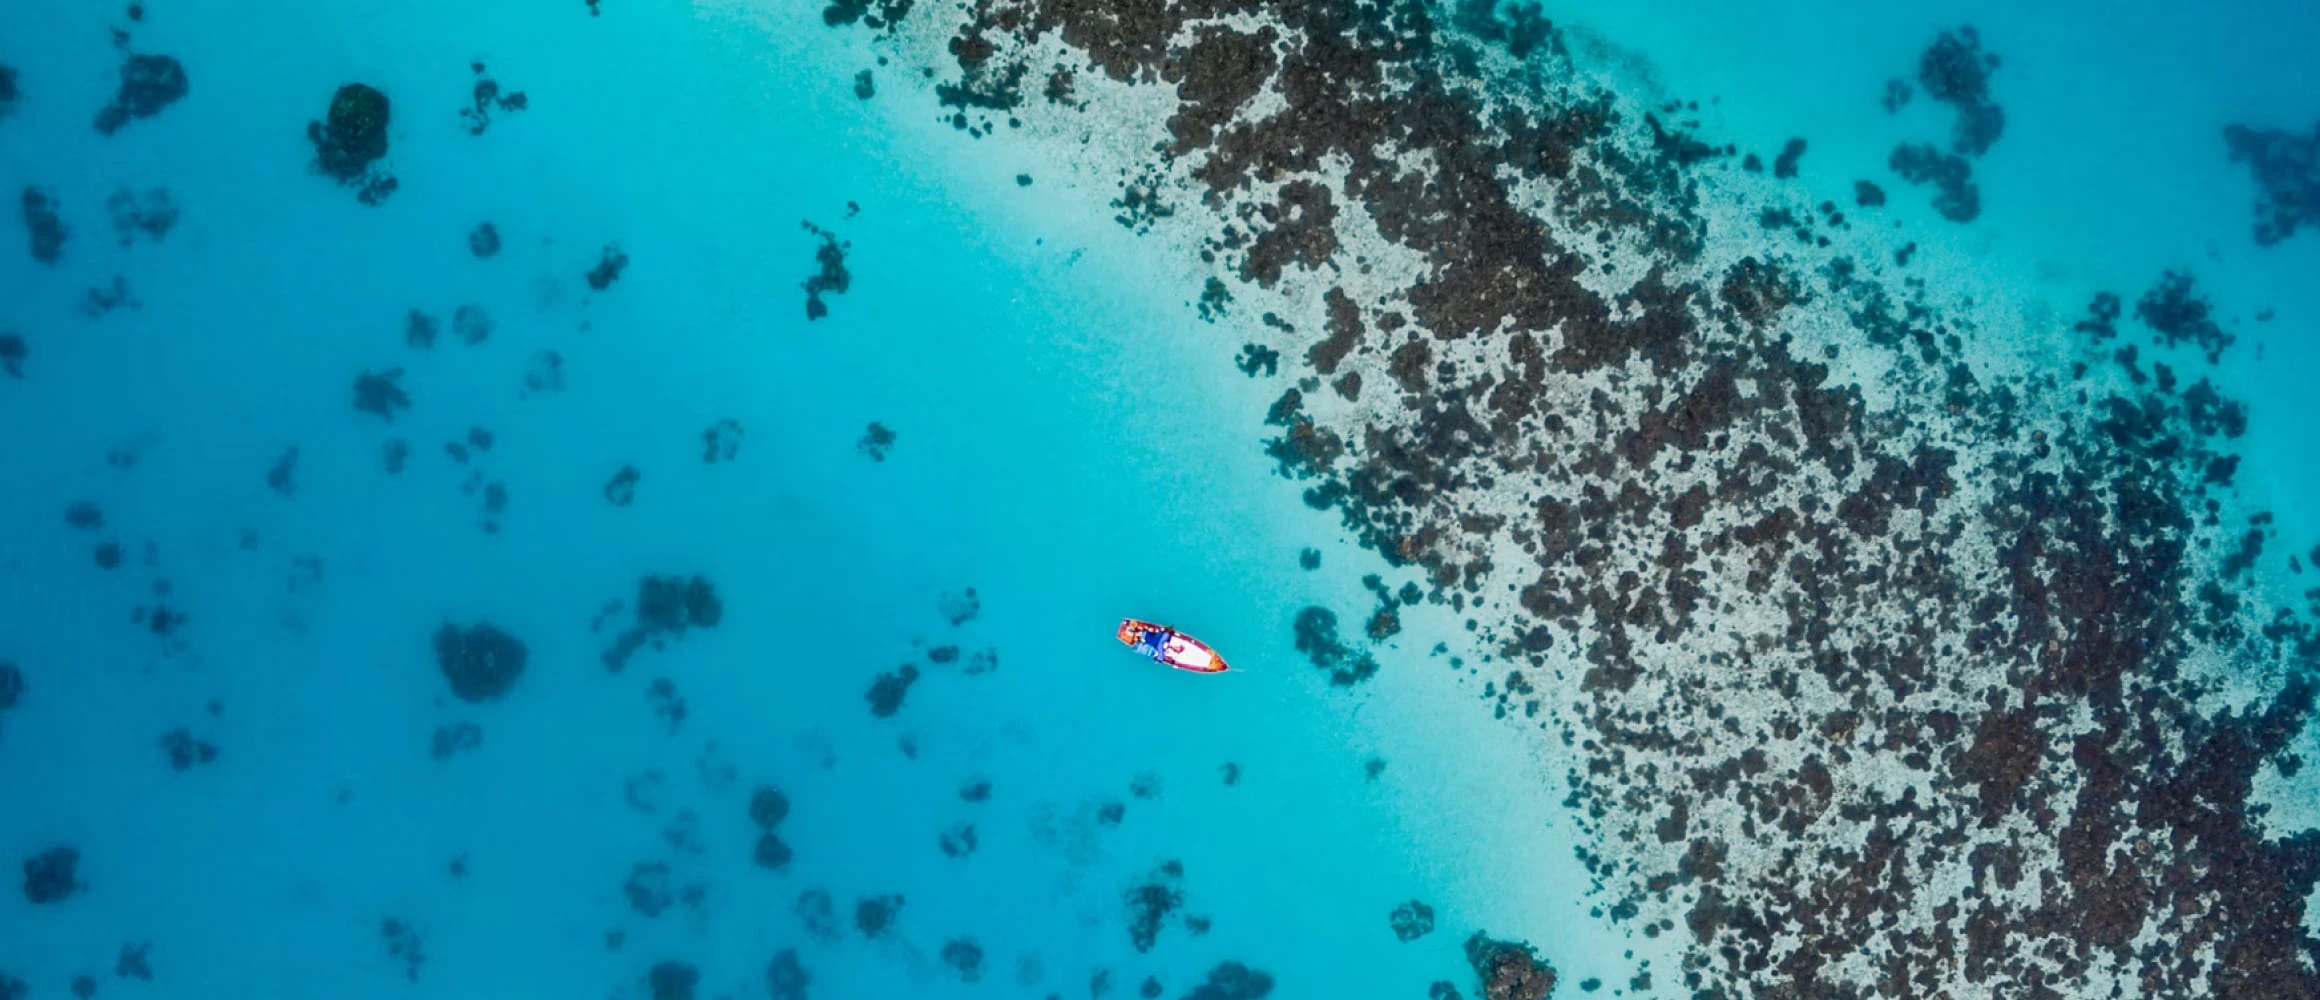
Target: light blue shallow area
x=1072, y=444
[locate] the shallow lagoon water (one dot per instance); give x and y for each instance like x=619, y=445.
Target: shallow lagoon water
x=1071, y=442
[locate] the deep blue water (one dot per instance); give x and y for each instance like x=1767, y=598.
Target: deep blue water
x=1068, y=441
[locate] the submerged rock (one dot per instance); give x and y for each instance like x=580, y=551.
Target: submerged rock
x=1509, y=970
x=886, y=693
x=961, y=606
x=1954, y=70
x=818, y=914
x=649, y=889
x=51, y=876
x=453, y=739
x=1411, y=921
x=381, y=394
x=959, y=841
x=84, y=515
x=721, y=442
x=1150, y=903
x=1784, y=166
x=545, y=372
x=673, y=980
x=403, y=945
x=874, y=914
x=43, y=225
x=135, y=961
x=483, y=240
x=2179, y=314
x=768, y=807
x=420, y=330
x=184, y=751
x=486, y=98
x=830, y=276
x=2286, y=167
x=353, y=135
x=1957, y=197
x=480, y=661
x=965, y=957
x=282, y=476
x=786, y=977
x=351, y=138
x=151, y=214
x=876, y=441
x=772, y=852
x=1317, y=638
x=149, y=83
x=666, y=606
x=471, y=324
x=610, y=265
x=620, y=490
x=1233, y=981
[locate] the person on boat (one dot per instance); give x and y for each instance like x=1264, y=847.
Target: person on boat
x=1154, y=643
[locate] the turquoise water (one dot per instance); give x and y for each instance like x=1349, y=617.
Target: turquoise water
x=1069, y=441
x=1067, y=445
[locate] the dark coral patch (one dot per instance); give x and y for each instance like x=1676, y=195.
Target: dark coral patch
x=610, y=265
x=1151, y=901
x=887, y=691
x=43, y=225
x=1956, y=196
x=351, y=139
x=1317, y=638
x=1411, y=920
x=873, y=915
x=830, y=276
x=480, y=661
x=667, y=607
x=877, y=440
x=1955, y=71
x=1228, y=981
x=2179, y=314
x=965, y=958
x=52, y=876
x=1509, y=970
x=786, y=977
x=149, y=85
x=381, y=394
x=150, y=214
x=2286, y=168
x=483, y=241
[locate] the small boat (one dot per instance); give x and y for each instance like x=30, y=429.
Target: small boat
x=1170, y=647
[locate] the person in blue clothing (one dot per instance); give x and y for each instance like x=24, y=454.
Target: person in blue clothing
x=1153, y=643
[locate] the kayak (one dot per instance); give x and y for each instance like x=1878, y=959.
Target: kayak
x=1170, y=647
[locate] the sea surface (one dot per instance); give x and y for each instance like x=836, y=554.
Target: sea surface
x=595, y=497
